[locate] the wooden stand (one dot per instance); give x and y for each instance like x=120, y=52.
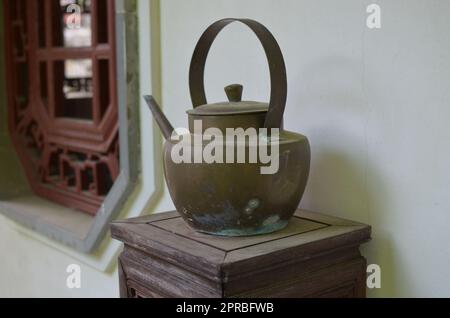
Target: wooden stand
x=315, y=256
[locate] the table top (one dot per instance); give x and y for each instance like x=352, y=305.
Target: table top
x=168, y=237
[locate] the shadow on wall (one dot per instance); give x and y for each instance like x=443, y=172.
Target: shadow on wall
x=337, y=185
x=344, y=180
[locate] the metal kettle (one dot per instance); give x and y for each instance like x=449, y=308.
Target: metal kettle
x=235, y=199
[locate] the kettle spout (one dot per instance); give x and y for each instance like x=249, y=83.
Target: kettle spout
x=160, y=118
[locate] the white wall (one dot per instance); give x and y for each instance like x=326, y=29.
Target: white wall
x=374, y=104
x=30, y=268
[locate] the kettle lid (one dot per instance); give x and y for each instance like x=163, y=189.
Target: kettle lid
x=235, y=106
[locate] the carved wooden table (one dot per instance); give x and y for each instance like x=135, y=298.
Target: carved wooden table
x=315, y=256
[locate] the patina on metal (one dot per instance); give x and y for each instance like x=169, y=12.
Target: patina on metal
x=237, y=199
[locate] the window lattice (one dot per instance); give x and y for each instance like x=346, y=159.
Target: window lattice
x=63, y=114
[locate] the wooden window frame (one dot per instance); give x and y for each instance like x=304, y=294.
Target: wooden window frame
x=35, y=219
x=71, y=162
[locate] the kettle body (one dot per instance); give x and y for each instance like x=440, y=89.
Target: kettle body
x=236, y=199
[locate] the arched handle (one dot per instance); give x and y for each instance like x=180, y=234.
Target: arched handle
x=277, y=67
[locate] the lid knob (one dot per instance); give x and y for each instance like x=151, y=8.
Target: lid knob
x=234, y=92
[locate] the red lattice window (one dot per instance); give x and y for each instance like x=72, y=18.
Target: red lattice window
x=63, y=114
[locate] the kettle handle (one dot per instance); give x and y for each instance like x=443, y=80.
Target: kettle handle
x=277, y=67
